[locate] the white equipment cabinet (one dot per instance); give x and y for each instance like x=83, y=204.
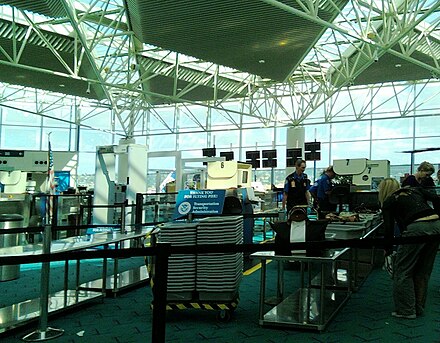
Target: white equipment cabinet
x=120, y=173
x=364, y=171
x=228, y=174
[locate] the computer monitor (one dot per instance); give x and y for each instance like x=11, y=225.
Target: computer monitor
x=313, y=156
x=253, y=157
x=269, y=154
x=272, y=163
x=292, y=155
x=228, y=155
x=253, y=154
x=312, y=146
x=208, y=152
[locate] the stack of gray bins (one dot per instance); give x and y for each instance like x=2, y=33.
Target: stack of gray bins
x=181, y=268
x=219, y=274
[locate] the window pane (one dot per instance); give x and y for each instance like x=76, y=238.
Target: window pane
x=343, y=150
x=15, y=137
x=162, y=143
x=12, y=116
x=90, y=139
x=351, y=131
x=281, y=133
x=161, y=163
x=86, y=168
x=65, y=113
x=319, y=132
x=427, y=126
x=261, y=137
x=192, y=140
x=59, y=139
x=392, y=128
x=224, y=139
x=430, y=156
x=392, y=150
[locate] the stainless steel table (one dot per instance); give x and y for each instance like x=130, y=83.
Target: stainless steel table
x=316, y=300
x=24, y=312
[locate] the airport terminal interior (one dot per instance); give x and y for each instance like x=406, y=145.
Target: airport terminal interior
x=147, y=149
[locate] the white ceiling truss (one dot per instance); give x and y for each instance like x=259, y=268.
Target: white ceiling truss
x=127, y=76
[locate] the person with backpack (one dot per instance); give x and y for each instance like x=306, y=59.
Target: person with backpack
x=413, y=263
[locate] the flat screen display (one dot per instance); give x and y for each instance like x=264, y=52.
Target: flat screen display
x=244, y=177
x=312, y=146
x=294, y=153
x=208, y=152
x=272, y=163
x=313, y=156
x=228, y=155
x=253, y=155
x=269, y=154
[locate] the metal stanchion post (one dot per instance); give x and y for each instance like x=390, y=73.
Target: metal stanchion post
x=44, y=332
x=160, y=293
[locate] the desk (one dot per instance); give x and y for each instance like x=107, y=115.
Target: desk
x=24, y=312
x=313, y=305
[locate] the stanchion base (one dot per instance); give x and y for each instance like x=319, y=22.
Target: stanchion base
x=38, y=336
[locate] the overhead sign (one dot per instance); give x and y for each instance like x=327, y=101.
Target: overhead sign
x=199, y=202
x=312, y=151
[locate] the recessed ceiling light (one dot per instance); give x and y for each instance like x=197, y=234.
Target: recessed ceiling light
x=61, y=85
x=261, y=61
x=398, y=65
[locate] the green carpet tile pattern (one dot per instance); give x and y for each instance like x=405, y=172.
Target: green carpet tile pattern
x=366, y=317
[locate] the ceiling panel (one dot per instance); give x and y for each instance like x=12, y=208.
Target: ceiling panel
x=250, y=36
x=49, y=8
x=390, y=68
x=37, y=66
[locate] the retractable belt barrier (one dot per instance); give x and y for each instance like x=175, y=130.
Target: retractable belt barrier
x=163, y=251
x=215, y=248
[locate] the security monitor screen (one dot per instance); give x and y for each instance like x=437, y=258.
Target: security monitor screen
x=228, y=155
x=244, y=177
x=208, y=152
x=270, y=154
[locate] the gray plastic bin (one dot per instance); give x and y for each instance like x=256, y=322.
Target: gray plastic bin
x=10, y=221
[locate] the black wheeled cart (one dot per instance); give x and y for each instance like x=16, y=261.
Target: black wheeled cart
x=206, y=281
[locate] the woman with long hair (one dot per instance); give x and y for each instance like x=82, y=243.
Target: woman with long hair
x=413, y=263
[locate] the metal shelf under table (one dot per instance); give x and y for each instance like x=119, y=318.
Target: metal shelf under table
x=309, y=307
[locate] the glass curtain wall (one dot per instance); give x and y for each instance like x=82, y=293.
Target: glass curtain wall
x=382, y=127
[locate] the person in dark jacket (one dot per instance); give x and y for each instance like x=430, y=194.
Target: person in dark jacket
x=321, y=190
x=422, y=177
x=413, y=263
x=296, y=187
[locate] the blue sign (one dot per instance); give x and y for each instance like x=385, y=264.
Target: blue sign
x=199, y=202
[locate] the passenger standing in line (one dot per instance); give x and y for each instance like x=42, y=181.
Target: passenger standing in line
x=413, y=263
x=422, y=178
x=322, y=188
x=296, y=187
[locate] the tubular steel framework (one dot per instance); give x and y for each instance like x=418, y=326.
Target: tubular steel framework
x=94, y=45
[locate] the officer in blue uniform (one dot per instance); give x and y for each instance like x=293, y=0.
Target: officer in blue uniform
x=321, y=190
x=296, y=187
